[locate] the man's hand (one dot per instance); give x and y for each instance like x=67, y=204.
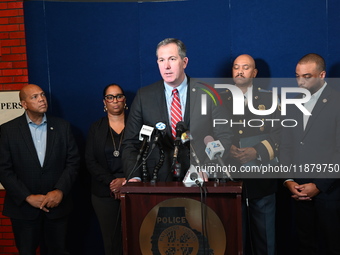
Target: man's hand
x=52, y=199
x=309, y=188
x=302, y=192
x=36, y=201
x=243, y=155
x=234, y=152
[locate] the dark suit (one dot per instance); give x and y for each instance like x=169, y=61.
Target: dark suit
x=149, y=107
x=260, y=192
x=318, y=143
x=22, y=175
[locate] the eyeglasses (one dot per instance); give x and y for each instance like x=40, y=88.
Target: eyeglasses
x=109, y=98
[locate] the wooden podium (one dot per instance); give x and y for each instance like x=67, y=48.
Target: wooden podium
x=142, y=221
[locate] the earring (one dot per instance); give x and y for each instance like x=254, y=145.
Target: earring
x=126, y=107
x=105, y=108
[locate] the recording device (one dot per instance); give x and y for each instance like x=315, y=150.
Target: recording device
x=145, y=136
x=215, y=150
x=193, y=176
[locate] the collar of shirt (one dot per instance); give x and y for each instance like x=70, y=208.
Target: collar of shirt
x=311, y=103
x=246, y=94
x=314, y=98
x=39, y=137
x=182, y=92
x=29, y=121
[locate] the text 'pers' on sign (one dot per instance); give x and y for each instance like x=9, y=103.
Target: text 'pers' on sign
x=10, y=106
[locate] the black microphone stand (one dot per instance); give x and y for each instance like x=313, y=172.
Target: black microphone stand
x=159, y=164
x=145, y=174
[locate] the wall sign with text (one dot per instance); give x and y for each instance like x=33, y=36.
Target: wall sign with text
x=10, y=107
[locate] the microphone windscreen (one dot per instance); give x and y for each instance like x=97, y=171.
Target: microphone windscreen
x=193, y=176
x=181, y=127
x=208, y=139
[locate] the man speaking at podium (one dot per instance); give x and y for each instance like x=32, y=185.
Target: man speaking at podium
x=174, y=103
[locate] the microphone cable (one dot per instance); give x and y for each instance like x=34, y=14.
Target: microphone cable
x=159, y=164
x=249, y=220
x=204, y=207
x=144, y=166
x=135, y=167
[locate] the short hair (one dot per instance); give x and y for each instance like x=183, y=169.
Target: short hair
x=314, y=58
x=22, y=93
x=182, y=50
x=112, y=84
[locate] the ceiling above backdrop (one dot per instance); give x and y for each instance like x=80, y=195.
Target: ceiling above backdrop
x=120, y=1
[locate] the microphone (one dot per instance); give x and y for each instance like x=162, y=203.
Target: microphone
x=176, y=167
x=159, y=132
x=186, y=139
x=145, y=136
x=193, y=176
x=215, y=150
x=180, y=128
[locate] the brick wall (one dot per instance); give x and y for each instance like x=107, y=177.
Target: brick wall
x=13, y=75
x=13, y=65
x=7, y=245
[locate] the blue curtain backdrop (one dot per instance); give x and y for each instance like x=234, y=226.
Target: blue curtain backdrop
x=76, y=48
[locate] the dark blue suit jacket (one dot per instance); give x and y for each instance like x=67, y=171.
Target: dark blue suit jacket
x=22, y=175
x=319, y=143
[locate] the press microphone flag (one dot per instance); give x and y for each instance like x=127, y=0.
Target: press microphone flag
x=145, y=136
x=145, y=132
x=159, y=132
x=213, y=148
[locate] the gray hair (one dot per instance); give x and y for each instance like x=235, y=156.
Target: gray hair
x=182, y=50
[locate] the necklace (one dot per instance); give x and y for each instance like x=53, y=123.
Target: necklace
x=115, y=151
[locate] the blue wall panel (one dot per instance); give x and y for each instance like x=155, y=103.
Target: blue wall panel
x=76, y=48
